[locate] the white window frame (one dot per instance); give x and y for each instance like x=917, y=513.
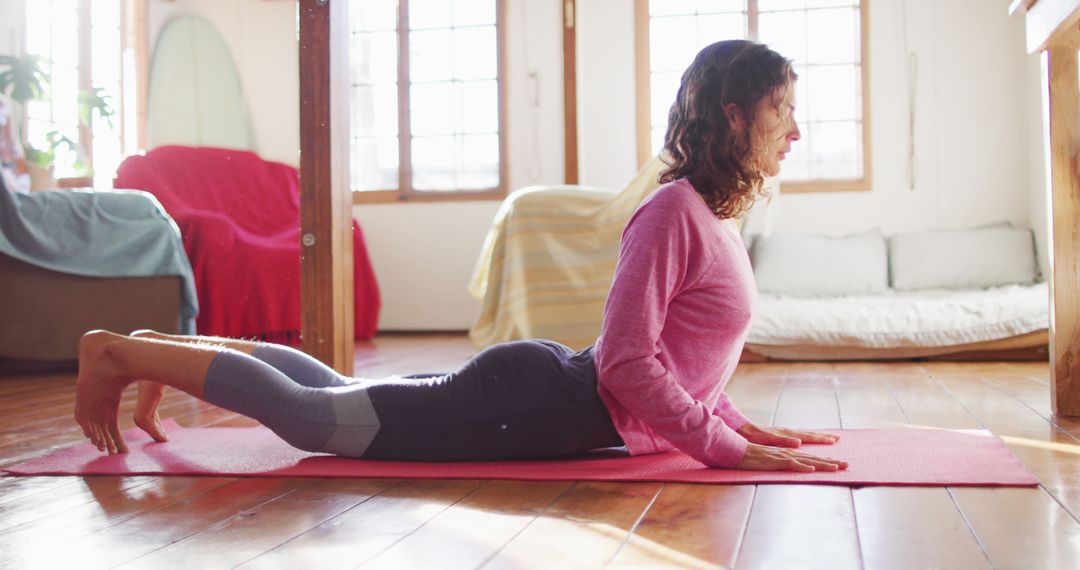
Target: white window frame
x=405, y=191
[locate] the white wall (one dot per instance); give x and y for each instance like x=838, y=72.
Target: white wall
x=607, y=101
x=262, y=38
x=1038, y=163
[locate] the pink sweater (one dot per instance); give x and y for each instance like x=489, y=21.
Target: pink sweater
x=674, y=327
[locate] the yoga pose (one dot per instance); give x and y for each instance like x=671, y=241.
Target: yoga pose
x=674, y=326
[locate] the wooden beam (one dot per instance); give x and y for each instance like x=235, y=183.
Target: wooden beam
x=326, y=280
x=136, y=36
x=1047, y=19
x=1020, y=6
x=570, y=90
x=643, y=114
x=1065, y=217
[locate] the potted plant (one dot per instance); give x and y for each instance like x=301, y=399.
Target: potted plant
x=22, y=79
x=25, y=79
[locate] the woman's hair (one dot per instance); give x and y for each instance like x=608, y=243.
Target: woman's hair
x=700, y=144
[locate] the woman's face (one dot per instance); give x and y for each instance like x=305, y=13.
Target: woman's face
x=774, y=129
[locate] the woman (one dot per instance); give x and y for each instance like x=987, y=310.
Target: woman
x=674, y=326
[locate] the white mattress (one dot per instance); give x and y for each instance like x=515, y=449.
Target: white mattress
x=901, y=319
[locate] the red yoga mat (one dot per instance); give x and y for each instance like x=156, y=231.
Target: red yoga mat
x=877, y=457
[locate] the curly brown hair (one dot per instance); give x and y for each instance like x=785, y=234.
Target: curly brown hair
x=700, y=144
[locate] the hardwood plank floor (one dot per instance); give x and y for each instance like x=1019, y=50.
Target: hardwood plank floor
x=216, y=522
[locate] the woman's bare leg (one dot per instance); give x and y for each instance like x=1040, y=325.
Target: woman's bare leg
x=150, y=393
x=245, y=346
x=108, y=362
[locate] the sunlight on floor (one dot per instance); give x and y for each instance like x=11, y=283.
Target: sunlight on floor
x=1047, y=445
x=647, y=552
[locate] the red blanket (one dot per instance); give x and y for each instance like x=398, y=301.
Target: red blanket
x=239, y=216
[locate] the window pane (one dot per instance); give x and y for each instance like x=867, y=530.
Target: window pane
x=38, y=28
x=373, y=15
x=429, y=14
x=433, y=109
x=672, y=45
x=834, y=92
x=66, y=157
x=375, y=163
x=39, y=110
x=375, y=110
x=107, y=156
x=105, y=15
x=718, y=27
x=802, y=106
x=797, y=164
x=434, y=161
x=479, y=107
x=105, y=55
x=784, y=32
x=475, y=53
x=65, y=33
x=665, y=86
x=833, y=36
x=111, y=95
x=430, y=56
x=130, y=122
x=672, y=7
x=65, y=95
x=374, y=57
x=837, y=150
x=474, y=12
x=716, y=6
x=36, y=131
x=830, y=3
x=478, y=168
x=773, y=5
x=657, y=141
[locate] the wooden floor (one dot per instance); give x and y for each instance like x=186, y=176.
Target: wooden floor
x=212, y=522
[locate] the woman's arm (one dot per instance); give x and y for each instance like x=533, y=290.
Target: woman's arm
x=731, y=415
x=653, y=268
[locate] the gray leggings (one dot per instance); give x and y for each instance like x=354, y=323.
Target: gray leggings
x=517, y=400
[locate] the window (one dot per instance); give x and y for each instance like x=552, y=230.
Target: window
x=82, y=51
x=431, y=69
x=824, y=39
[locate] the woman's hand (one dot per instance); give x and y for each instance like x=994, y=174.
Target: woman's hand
x=766, y=458
x=146, y=409
x=783, y=437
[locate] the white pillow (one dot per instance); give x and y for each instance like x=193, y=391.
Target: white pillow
x=812, y=265
x=962, y=259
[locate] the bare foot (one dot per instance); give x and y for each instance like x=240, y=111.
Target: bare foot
x=150, y=394
x=146, y=409
x=98, y=390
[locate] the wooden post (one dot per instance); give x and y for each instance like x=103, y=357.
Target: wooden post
x=326, y=256
x=1065, y=217
x=570, y=143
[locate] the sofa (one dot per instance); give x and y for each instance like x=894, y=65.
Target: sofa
x=239, y=216
x=74, y=260
x=957, y=292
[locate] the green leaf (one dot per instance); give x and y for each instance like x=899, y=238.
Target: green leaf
x=25, y=77
x=95, y=101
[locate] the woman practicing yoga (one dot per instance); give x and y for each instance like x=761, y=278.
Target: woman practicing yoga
x=674, y=326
